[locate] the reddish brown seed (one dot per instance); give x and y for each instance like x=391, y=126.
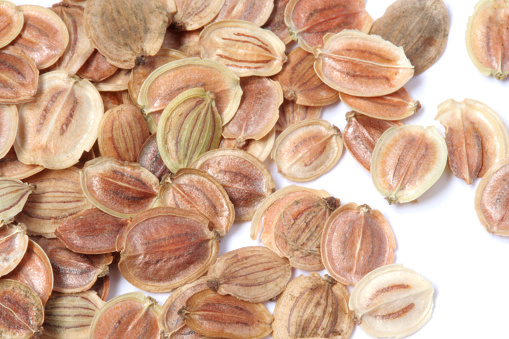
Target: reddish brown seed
x=96, y=68
x=102, y=287
x=254, y=11
x=119, y=81
x=113, y=99
x=8, y=127
x=12, y=22
x=276, y=22
x=20, y=77
x=11, y=167
x=150, y=158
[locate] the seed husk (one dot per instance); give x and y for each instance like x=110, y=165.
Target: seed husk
x=347, y=63
x=309, y=21
x=407, y=161
x=243, y=47
x=121, y=189
x=313, y=307
x=13, y=196
x=13, y=245
x=20, y=76
x=291, y=113
x=122, y=132
x=22, y=311
x=192, y=15
x=166, y=247
x=73, y=272
x=276, y=22
x=259, y=148
x=12, y=20
x=143, y=26
x=300, y=82
x=421, y=27
x=476, y=137
x=150, y=158
x=97, y=68
x=306, y=150
x=254, y=11
x=60, y=123
x=58, y=195
x=215, y=315
x=355, y=241
x=189, y=126
x=392, y=301
x=361, y=135
x=245, y=178
x=131, y=315
x=198, y=191
x=11, y=167
x=255, y=274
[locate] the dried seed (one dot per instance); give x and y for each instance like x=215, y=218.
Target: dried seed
x=245, y=178
x=243, y=47
x=131, y=315
x=195, y=14
x=476, y=137
x=102, y=287
x=13, y=196
x=73, y=272
x=122, y=132
x=119, y=188
x=11, y=167
x=392, y=301
x=13, y=245
x=361, y=135
x=113, y=99
x=150, y=158
x=198, y=191
x=259, y=148
x=309, y=21
x=394, y=106
x=91, y=232
x=119, y=81
x=189, y=126
x=276, y=22
x=421, y=27
x=255, y=274
x=216, y=315
x=300, y=82
x=20, y=76
x=406, y=161
x=254, y=11
x=60, y=123
x=143, y=26
x=8, y=127
x=96, y=68
x=12, y=22
x=313, y=307
x=361, y=64
x=166, y=247
x=291, y=113
x=308, y=149
x=355, y=241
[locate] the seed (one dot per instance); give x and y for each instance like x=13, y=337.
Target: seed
x=190, y=43
x=291, y=113
x=20, y=76
x=12, y=20
x=102, y=287
x=13, y=196
x=119, y=81
x=259, y=148
x=96, y=68
x=11, y=167
x=13, y=245
x=150, y=158
x=254, y=11
x=276, y=22
x=8, y=127
x=113, y=99
x=195, y=14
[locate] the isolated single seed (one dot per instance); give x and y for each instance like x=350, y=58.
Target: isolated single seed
x=192, y=15
x=13, y=196
x=259, y=148
x=20, y=76
x=13, y=245
x=11, y=167
x=12, y=22
x=291, y=113
x=254, y=11
x=96, y=68
x=276, y=22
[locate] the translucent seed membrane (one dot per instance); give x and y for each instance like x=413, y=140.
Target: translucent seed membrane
x=356, y=240
x=131, y=315
x=119, y=188
x=485, y=40
x=309, y=21
x=60, y=123
x=166, y=247
x=193, y=14
x=259, y=148
x=13, y=196
x=255, y=274
x=361, y=135
x=492, y=199
x=13, y=245
x=189, y=126
x=243, y=47
x=313, y=307
x=276, y=22
x=407, y=161
x=12, y=19
x=308, y=149
x=20, y=76
x=392, y=301
x=245, y=178
x=476, y=137
x=215, y=315
x=361, y=64
x=255, y=11
x=291, y=113
x=44, y=36
x=394, y=106
x=198, y=191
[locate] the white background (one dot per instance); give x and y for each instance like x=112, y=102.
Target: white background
x=440, y=236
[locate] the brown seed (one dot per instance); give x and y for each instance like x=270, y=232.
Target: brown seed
x=35, y=271
x=119, y=81
x=150, y=158
x=308, y=149
x=255, y=274
x=13, y=245
x=361, y=135
x=96, y=68
x=421, y=27
x=73, y=272
x=259, y=148
x=11, y=167
x=291, y=113
x=122, y=132
x=8, y=127
x=254, y=11
x=313, y=307
x=131, y=315
x=12, y=22
x=143, y=25
x=300, y=82
x=349, y=64
x=195, y=14
x=119, y=188
x=166, y=247
x=113, y=99
x=20, y=76
x=216, y=315
x=13, y=196
x=309, y=21
x=102, y=287
x=245, y=178
x=21, y=309
x=198, y=191
x=276, y=22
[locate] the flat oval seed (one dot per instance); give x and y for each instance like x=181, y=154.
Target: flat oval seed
x=20, y=76
x=254, y=11
x=192, y=15
x=355, y=241
x=243, y=47
x=276, y=22
x=259, y=148
x=13, y=245
x=13, y=196
x=97, y=68
x=291, y=113
x=8, y=127
x=12, y=22
x=308, y=149
x=150, y=158
x=119, y=81
x=11, y=167
x=361, y=64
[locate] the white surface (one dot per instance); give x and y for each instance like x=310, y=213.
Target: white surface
x=440, y=236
